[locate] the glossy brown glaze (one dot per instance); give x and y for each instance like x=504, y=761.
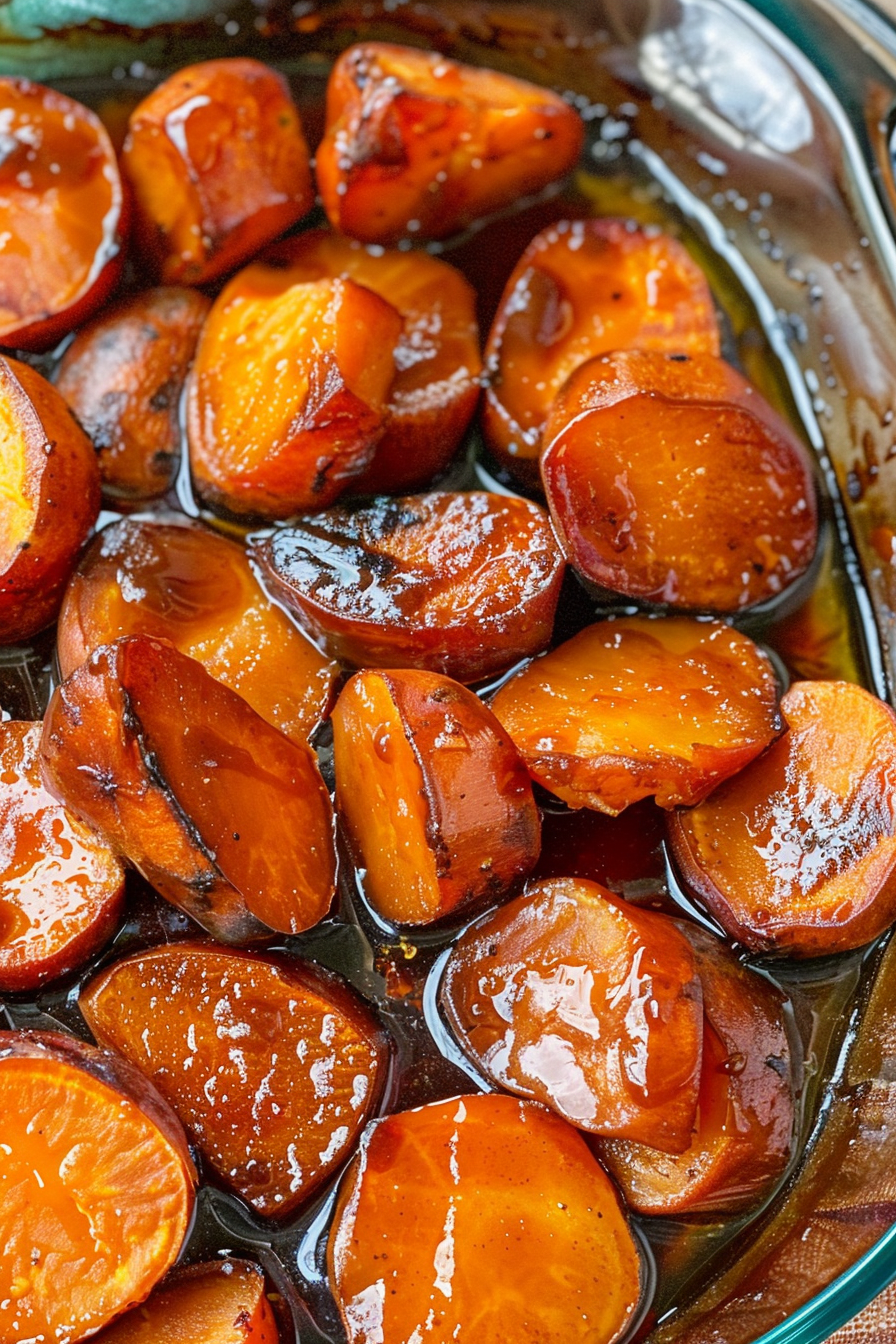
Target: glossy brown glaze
x=223, y=1302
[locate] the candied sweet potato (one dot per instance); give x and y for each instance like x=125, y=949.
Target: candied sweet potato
x=49, y=499
x=592, y=1006
x=670, y=479
x=219, y=167
x=222, y=813
x=462, y=584
x=123, y=375
x=485, y=1218
x=197, y=589
x=272, y=1069
x=417, y=144
x=639, y=707
x=432, y=793
x=797, y=853
x=223, y=1302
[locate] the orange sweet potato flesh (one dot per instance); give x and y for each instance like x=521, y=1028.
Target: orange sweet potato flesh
x=218, y=165
x=49, y=499
x=223, y=814
x=459, y=583
x=62, y=215
x=96, y=1188
x=670, y=479
x=419, y=145
x=433, y=796
x=219, y=1303
x=797, y=854
x=196, y=589
x=592, y=1006
x=495, y=1221
x=272, y=1069
x=123, y=375
x=640, y=707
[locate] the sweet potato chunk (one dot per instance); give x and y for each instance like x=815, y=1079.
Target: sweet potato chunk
x=587, y=1004
x=123, y=375
x=219, y=1303
x=483, y=1217
x=219, y=167
x=96, y=1188
x=463, y=584
x=417, y=144
x=224, y=815
x=435, y=800
x=49, y=498
x=195, y=588
x=637, y=707
x=797, y=853
x=670, y=479
x=272, y=1069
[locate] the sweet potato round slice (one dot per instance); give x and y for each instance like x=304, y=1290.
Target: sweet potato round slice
x=219, y=167
x=219, y=1303
x=587, y=1004
x=670, y=479
x=96, y=1188
x=195, y=588
x=223, y=814
x=462, y=584
x=272, y=1069
x=640, y=707
x=417, y=144
x=797, y=853
x=483, y=1217
x=123, y=375
x=436, y=803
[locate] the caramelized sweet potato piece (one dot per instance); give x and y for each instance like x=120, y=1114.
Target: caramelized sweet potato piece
x=670, y=479
x=587, y=1004
x=434, y=798
x=272, y=1069
x=224, y=815
x=463, y=584
x=195, y=588
x=96, y=1188
x=219, y=167
x=480, y=1217
x=637, y=707
x=123, y=375
x=797, y=853
x=417, y=144
x=219, y=1303
x=49, y=498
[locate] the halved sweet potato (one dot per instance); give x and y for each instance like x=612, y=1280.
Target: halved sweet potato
x=480, y=1217
x=797, y=853
x=219, y=1303
x=587, y=1004
x=638, y=707
x=670, y=479
x=224, y=815
x=463, y=584
x=218, y=165
x=419, y=145
x=272, y=1069
x=435, y=800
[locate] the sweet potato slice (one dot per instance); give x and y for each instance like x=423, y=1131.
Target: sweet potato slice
x=123, y=375
x=462, y=584
x=272, y=1069
x=462, y=1219
x=436, y=803
x=583, y=288
x=587, y=1004
x=96, y=1188
x=225, y=816
x=419, y=145
x=797, y=853
x=640, y=707
x=219, y=167
x=195, y=588
x=670, y=479
x=219, y=1303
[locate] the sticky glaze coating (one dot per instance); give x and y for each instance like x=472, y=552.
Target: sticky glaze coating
x=219, y=1303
